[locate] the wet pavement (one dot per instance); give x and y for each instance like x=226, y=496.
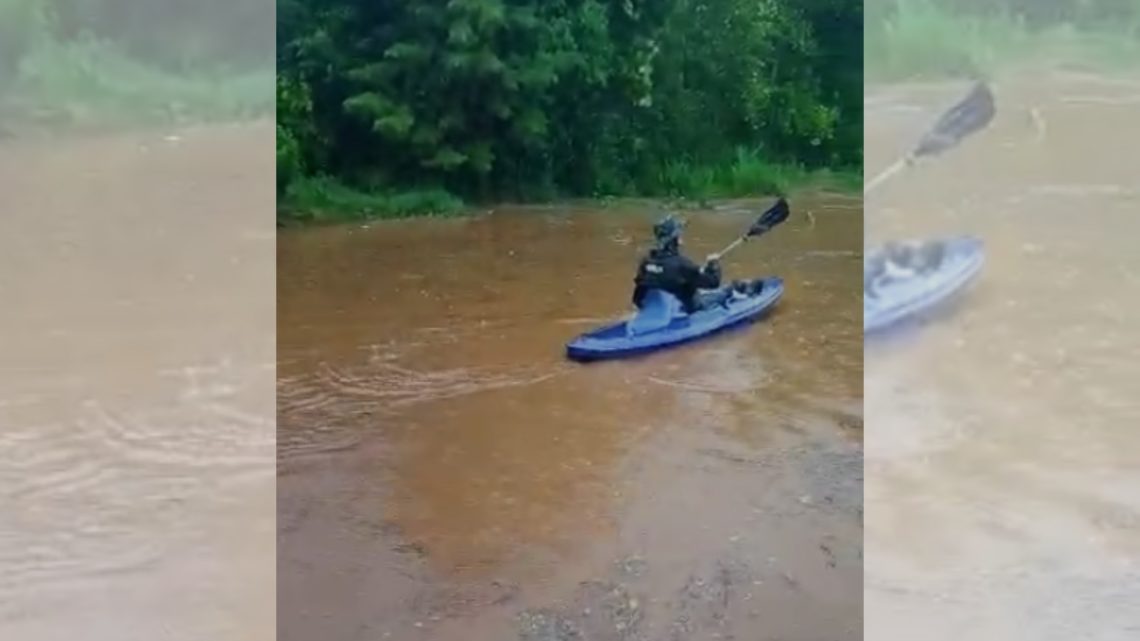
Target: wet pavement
x=445, y=474
x=1002, y=458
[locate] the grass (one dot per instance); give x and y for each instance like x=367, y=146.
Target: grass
x=327, y=200
x=926, y=39
x=748, y=175
x=90, y=84
x=324, y=200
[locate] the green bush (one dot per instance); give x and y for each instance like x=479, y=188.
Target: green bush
x=538, y=99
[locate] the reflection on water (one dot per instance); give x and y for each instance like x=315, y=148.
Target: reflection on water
x=445, y=474
x=1003, y=458
x=136, y=371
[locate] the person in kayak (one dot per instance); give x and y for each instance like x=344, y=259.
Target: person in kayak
x=665, y=268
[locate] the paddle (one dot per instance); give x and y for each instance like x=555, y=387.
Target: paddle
x=775, y=215
x=969, y=116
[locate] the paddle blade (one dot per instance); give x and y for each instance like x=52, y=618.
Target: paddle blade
x=972, y=114
x=775, y=215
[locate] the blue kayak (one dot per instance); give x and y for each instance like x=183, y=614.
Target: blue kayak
x=902, y=281
x=661, y=323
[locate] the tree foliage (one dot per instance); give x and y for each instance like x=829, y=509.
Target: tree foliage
x=533, y=98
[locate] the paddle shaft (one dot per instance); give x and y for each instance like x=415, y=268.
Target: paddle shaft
x=775, y=215
x=888, y=173
x=743, y=239
x=736, y=243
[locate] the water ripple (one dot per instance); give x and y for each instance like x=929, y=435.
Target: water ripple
x=324, y=407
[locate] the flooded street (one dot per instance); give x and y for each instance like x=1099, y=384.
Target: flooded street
x=136, y=387
x=1003, y=454
x=445, y=475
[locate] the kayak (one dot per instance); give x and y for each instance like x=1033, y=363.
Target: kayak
x=904, y=280
x=661, y=322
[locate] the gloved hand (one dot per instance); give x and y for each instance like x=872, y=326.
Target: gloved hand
x=712, y=265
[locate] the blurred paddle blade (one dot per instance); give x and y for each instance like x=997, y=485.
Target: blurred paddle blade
x=972, y=114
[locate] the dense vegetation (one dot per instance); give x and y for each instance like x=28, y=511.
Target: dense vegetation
x=909, y=38
x=105, y=62
x=534, y=99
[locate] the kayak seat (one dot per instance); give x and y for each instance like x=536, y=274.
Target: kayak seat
x=657, y=310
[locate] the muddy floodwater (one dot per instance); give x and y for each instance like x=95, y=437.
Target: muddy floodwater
x=444, y=474
x=137, y=387
x=1003, y=453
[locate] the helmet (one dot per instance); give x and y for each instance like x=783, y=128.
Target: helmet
x=668, y=230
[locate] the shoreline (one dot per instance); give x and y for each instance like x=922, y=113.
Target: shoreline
x=833, y=184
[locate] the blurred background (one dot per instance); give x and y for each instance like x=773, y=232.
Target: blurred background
x=94, y=62
x=137, y=338
x=1001, y=443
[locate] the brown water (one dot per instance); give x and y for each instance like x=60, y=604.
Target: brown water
x=136, y=387
x=1003, y=454
x=444, y=474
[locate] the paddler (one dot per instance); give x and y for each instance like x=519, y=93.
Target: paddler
x=665, y=268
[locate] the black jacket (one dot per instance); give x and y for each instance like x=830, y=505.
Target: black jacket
x=668, y=270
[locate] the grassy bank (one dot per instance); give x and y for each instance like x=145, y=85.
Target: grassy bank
x=746, y=175
x=929, y=39
x=326, y=200
x=310, y=201
x=90, y=84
